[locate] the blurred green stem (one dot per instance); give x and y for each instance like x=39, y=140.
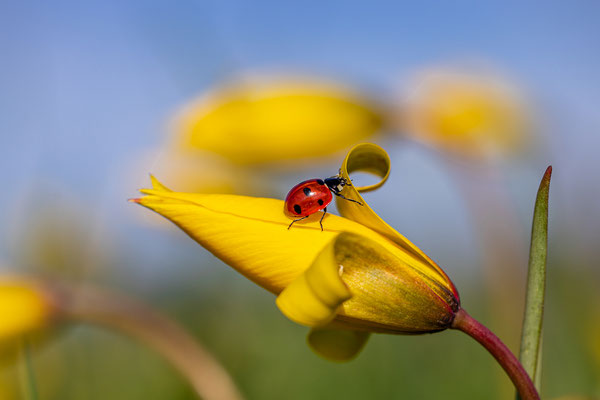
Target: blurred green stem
x=92, y=305
x=517, y=374
x=536, y=282
x=28, y=381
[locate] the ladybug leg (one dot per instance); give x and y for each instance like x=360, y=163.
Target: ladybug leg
x=296, y=220
x=345, y=198
x=322, y=216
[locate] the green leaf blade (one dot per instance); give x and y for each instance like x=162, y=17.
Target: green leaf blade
x=531, y=338
x=27, y=375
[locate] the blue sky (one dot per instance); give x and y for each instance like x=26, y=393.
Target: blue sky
x=86, y=85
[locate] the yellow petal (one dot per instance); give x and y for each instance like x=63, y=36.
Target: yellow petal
x=337, y=344
x=157, y=185
x=250, y=234
x=315, y=296
x=366, y=287
x=370, y=158
x=261, y=121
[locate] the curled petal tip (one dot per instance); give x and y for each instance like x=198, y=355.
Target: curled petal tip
x=137, y=200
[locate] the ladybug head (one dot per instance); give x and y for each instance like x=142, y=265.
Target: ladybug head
x=335, y=184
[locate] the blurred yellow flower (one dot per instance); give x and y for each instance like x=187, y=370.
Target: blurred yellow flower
x=357, y=276
x=260, y=121
x=24, y=309
x=472, y=115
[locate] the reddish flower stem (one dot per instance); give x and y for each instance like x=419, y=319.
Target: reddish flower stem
x=464, y=322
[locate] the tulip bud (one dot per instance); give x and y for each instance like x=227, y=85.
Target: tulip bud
x=389, y=295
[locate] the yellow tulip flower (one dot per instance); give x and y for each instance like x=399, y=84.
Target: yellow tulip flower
x=476, y=116
x=357, y=276
x=259, y=121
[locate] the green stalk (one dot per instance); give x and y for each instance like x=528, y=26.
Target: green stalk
x=531, y=338
x=28, y=381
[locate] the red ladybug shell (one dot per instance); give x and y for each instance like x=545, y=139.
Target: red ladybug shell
x=308, y=197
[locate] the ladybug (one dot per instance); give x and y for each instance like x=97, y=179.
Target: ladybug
x=308, y=197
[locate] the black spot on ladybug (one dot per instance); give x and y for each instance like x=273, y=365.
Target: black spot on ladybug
x=320, y=202
x=297, y=209
x=320, y=182
x=306, y=191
